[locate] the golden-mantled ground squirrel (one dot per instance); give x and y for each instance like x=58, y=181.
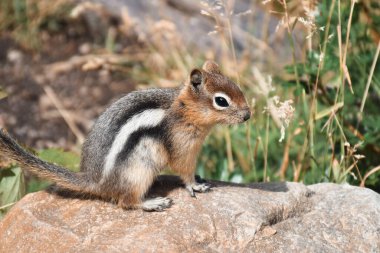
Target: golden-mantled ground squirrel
x=143, y=133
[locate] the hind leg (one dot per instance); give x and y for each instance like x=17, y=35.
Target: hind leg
x=129, y=200
x=147, y=160
x=134, y=200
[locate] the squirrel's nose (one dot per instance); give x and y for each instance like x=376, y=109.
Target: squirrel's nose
x=247, y=115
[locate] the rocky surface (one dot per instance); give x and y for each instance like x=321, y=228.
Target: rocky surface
x=260, y=217
x=253, y=28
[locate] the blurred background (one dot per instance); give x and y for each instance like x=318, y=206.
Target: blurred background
x=308, y=69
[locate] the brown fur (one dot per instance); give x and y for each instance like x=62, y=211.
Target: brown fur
x=130, y=199
x=195, y=116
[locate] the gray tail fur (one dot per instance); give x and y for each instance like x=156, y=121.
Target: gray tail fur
x=63, y=177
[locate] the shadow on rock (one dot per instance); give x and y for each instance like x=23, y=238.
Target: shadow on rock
x=165, y=184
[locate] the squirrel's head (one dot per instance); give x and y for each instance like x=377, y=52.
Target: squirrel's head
x=213, y=98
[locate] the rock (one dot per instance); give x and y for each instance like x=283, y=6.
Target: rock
x=260, y=217
x=253, y=29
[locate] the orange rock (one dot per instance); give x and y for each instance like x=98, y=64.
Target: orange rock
x=262, y=217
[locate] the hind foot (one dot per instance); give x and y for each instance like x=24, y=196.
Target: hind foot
x=157, y=204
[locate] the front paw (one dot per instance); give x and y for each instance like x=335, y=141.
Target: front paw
x=196, y=187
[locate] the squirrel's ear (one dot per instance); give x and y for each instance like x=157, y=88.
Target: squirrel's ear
x=196, y=78
x=212, y=67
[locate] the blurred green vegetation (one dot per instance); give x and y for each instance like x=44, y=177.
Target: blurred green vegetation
x=334, y=123
x=12, y=188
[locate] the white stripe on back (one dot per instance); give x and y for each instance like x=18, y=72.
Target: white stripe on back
x=147, y=118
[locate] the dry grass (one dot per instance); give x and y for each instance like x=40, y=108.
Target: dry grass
x=166, y=51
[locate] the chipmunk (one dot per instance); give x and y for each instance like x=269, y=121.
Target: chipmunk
x=141, y=134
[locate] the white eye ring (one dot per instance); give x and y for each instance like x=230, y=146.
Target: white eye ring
x=223, y=95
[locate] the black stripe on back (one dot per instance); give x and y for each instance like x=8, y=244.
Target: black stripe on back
x=139, y=108
x=159, y=132
x=121, y=121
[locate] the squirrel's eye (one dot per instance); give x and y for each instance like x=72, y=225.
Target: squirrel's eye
x=221, y=101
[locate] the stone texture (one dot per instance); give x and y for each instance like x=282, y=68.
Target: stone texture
x=260, y=217
x=194, y=28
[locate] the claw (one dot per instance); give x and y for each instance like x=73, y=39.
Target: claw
x=189, y=188
x=196, y=187
x=201, y=187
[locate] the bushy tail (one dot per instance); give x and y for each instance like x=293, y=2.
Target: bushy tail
x=63, y=177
